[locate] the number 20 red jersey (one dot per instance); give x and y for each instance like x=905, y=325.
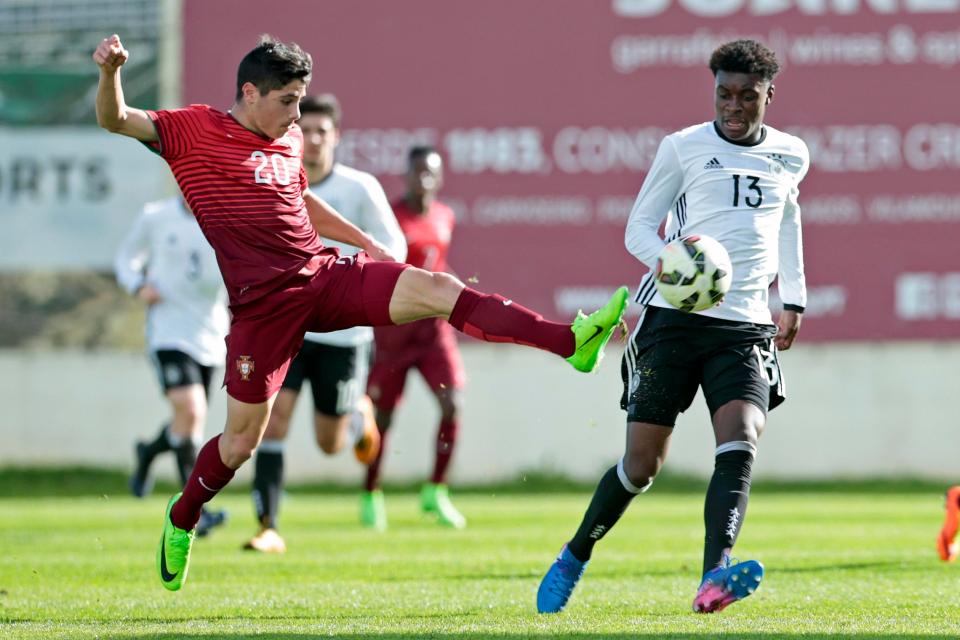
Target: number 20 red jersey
x=246, y=192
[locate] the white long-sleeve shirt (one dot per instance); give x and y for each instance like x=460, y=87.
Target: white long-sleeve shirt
x=745, y=197
x=359, y=198
x=166, y=249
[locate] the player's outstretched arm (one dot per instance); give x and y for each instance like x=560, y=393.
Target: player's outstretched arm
x=332, y=225
x=112, y=112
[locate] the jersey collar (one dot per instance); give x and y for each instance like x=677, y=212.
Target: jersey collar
x=763, y=136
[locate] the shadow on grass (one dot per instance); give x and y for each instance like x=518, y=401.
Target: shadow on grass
x=36, y=482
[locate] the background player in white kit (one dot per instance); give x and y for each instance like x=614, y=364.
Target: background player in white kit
x=166, y=262
x=735, y=179
x=335, y=363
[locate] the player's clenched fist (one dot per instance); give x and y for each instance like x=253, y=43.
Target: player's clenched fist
x=110, y=54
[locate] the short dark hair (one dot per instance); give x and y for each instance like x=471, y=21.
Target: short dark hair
x=420, y=151
x=326, y=104
x=745, y=56
x=273, y=65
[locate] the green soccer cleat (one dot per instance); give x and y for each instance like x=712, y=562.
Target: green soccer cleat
x=435, y=500
x=373, y=511
x=173, y=555
x=592, y=332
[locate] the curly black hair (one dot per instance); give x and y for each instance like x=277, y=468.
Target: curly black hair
x=745, y=56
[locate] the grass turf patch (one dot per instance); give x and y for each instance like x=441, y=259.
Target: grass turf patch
x=839, y=565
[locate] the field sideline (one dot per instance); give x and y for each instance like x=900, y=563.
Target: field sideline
x=839, y=565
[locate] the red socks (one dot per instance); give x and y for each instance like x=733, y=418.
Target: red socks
x=493, y=318
x=209, y=476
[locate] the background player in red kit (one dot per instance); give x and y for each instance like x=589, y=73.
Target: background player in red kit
x=242, y=175
x=429, y=345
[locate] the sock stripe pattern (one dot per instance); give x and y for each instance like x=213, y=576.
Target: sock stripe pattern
x=625, y=481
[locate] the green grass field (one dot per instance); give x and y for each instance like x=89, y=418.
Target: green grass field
x=839, y=565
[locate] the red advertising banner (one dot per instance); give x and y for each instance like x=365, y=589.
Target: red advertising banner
x=549, y=112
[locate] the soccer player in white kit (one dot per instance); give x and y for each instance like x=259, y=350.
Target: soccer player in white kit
x=336, y=363
x=735, y=179
x=166, y=262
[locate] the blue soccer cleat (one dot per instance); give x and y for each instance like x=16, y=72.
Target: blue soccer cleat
x=558, y=584
x=726, y=584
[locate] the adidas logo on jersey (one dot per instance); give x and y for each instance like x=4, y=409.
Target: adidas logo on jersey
x=713, y=164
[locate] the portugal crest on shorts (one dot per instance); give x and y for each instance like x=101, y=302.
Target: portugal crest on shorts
x=245, y=367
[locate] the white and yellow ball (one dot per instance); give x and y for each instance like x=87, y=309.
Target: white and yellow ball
x=693, y=273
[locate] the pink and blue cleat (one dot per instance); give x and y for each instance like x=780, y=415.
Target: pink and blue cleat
x=726, y=584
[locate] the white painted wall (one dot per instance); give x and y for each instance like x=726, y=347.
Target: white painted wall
x=853, y=410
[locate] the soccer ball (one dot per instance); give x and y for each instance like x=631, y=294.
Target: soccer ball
x=693, y=273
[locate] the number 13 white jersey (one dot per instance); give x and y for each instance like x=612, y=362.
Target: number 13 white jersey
x=745, y=197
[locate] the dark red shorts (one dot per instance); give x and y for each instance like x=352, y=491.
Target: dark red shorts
x=266, y=334
x=428, y=345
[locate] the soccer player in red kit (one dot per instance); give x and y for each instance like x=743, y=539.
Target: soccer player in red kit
x=429, y=345
x=242, y=175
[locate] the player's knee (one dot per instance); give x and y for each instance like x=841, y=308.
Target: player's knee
x=746, y=430
x=640, y=470
x=739, y=420
x=443, y=291
x=239, y=450
x=190, y=413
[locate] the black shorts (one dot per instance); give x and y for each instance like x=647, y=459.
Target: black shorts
x=177, y=369
x=337, y=375
x=673, y=353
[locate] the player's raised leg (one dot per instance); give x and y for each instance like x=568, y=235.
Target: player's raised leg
x=647, y=446
x=737, y=425
x=493, y=318
x=216, y=464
